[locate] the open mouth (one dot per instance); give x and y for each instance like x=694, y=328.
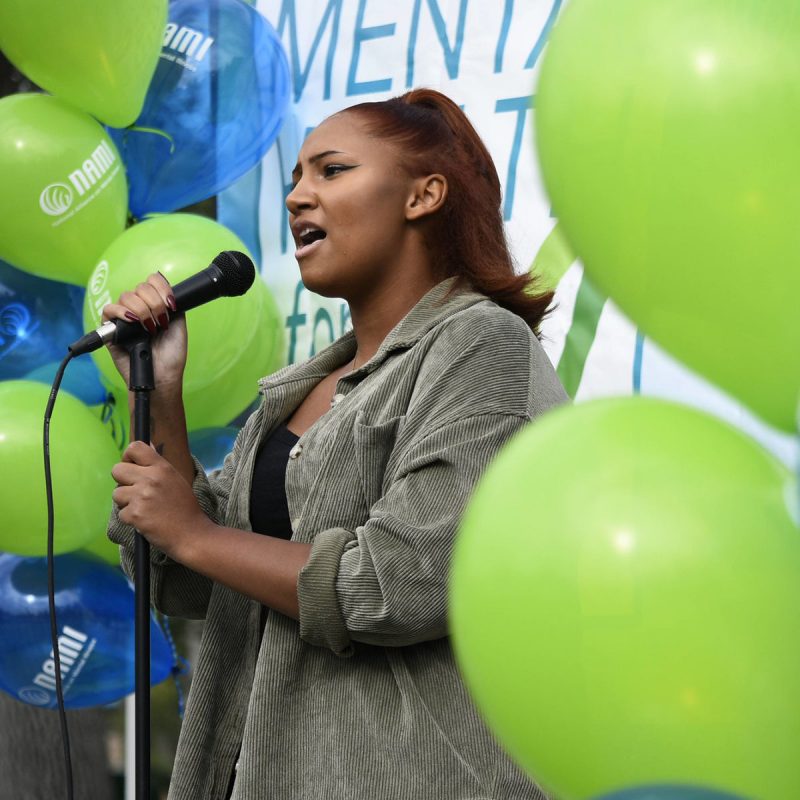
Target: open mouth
x=309, y=238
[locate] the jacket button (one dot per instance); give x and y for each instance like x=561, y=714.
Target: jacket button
x=296, y=450
x=337, y=398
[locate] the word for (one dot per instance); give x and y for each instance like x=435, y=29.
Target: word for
x=323, y=320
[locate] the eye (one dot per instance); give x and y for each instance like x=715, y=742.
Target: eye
x=330, y=170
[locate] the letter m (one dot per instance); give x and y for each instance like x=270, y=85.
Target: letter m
x=102, y=156
x=187, y=41
x=79, y=181
x=333, y=12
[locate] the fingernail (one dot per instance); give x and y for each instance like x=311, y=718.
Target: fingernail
x=171, y=302
x=131, y=316
x=150, y=325
x=163, y=321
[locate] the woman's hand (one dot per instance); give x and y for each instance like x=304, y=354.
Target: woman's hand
x=157, y=501
x=152, y=305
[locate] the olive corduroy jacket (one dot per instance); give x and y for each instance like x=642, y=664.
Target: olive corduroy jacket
x=361, y=698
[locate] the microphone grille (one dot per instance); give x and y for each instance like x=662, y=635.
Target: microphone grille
x=238, y=273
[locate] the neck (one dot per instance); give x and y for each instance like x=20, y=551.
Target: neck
x=375, y=316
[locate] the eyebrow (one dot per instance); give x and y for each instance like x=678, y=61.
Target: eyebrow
x=316, y=158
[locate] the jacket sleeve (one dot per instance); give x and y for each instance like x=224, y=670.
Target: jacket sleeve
x=386, y=582
x=176, y=590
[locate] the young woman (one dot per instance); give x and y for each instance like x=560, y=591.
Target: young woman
x=318, y=556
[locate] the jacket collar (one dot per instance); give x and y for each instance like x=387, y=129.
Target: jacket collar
x=437, y=305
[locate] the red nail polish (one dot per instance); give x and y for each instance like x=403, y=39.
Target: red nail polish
x=171, y=302
x=150, y=325
x=163, y=321
x=131, y=316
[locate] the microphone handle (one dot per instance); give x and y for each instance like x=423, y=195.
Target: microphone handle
x=190, y=293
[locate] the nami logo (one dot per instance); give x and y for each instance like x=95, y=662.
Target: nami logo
x=74, y=648
x=186, y=45
x=98, y=294
x=56, y=199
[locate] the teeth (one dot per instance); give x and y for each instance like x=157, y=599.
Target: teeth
x=308, y=234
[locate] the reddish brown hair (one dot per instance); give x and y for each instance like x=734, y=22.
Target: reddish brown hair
x=435, y=136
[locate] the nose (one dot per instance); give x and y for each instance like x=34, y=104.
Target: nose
x=300, y=198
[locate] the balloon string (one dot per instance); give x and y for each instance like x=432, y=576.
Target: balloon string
x=157, y=132
x=554, y=258
x=589, y=304
x=180, y=666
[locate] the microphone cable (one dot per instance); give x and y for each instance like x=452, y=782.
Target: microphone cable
x=51, y=583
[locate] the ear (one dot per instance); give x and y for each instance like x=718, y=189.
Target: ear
x=427, y=196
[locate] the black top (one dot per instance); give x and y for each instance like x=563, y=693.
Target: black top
x=269, y=511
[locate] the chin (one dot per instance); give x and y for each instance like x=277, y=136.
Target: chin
x=321, y=283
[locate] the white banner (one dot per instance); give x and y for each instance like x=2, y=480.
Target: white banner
x=485, y=55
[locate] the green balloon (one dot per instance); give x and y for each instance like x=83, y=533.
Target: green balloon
x=232, y=342
x=99, y=57
x=116, y=421
x=668, y=139
x=81, y=457
x=65, y=197
x=624, y=603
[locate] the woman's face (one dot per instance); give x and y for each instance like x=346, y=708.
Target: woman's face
x=347, y=209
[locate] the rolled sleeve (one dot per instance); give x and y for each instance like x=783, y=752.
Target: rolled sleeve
x=321, y=620
x=386, y=583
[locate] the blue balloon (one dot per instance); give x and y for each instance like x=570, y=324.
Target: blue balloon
x=81, y=379
x=38, y=319
x=214, y=107
x=670, y=792
x=95, y=611
x=211, y=445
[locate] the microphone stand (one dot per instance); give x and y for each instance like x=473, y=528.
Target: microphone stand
x=142, y=382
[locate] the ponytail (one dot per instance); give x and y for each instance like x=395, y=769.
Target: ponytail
x=434, y=135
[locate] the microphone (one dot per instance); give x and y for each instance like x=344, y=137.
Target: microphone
x=230, y=274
